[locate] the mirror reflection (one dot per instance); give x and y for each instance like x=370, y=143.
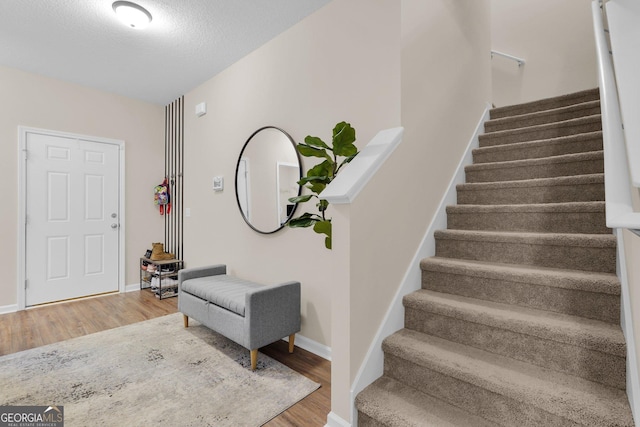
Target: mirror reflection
x=267, y=175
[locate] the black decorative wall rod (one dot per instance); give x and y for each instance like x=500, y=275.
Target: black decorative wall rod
x=173, y=171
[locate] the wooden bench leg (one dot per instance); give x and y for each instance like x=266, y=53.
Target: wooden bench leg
x=292, y=338
x=254, y=359
x=186, y=320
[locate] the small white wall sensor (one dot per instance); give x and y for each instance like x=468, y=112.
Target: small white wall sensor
x=218, y=183
x=201, y=109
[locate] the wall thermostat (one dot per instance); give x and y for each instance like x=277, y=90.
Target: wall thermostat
x=218, y=183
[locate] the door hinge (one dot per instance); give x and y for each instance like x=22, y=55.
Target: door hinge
x=26, y=283
x=26, y=154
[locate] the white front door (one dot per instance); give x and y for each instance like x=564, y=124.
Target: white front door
x=72, y=218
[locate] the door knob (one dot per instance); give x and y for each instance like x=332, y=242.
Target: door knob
x=114, y=225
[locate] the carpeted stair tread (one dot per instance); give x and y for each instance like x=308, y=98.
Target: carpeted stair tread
x=586, y=348
x=571, y=217
x=573, y=330
x=577, y=188
x=568, y=207
x=532, y=133
x=590, y=295
x=583, y=142
x=546, y=104
x=606, y=283
x=393, y=404
x=542, y=117
x=529, y=389
x=548, y=167
x=589, y=252
x=551, y=239
x=597, y=178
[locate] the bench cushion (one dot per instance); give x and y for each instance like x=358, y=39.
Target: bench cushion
x=222, y=290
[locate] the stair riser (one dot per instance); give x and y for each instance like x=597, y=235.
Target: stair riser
x=546, y=104
x=548, y=170
x=592, y=305
x=569, y=257
x=366, y=421
x=493, y=139
x=529, y=195
x=544, y=222
x=554, y=147
x=490, y=405
x=541, y=119
x=585, y=363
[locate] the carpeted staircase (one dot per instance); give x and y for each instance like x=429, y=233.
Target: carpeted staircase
x=517, y=321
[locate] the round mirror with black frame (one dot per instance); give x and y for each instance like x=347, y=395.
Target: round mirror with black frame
x=267, y=175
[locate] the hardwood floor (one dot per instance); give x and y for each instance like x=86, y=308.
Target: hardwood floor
x=57, y=322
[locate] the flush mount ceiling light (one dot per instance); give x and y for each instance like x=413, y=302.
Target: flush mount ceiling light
x=131, y=14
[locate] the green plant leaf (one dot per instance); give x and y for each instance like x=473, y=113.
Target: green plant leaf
x=324, y=168
x=347, y=150
x=301, y=199
x=322, y=205
x=351, y=157
x=304, y=220
x=317, y=187
x=308, y=151
x=343, y=138
x=314, y=141
x=324, y=227
x=307, y=179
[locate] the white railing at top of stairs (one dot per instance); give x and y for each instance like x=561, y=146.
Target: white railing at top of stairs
x=619, y=207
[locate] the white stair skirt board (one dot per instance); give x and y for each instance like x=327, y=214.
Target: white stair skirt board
x=372, y=366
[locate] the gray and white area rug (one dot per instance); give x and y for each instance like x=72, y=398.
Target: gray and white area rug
x=152, y=373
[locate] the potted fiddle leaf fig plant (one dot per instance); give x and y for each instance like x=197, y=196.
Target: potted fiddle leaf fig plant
x=341, y=151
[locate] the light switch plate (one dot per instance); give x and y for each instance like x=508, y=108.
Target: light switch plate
x=218, y=183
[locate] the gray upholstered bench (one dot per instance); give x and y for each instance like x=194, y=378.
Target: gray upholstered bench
x=248, y=313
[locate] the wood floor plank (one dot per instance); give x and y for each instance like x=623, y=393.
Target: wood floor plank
x=58, y=322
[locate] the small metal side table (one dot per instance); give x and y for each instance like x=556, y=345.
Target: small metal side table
x=161, y=277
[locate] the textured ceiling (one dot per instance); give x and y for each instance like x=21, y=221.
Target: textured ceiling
x=188, y=42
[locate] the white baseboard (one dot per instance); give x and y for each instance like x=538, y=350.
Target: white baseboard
x=11, y=308
x=312, y=346
x=372, y=366
x=133, y=287
x=334, y=420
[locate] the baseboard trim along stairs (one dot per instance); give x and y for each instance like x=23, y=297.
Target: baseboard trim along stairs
x=518, y=319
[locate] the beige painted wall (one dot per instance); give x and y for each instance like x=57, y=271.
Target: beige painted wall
x=341, y=63
x=555, y=37
x=441, y=103
x=445, y=88
x=35, y=101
